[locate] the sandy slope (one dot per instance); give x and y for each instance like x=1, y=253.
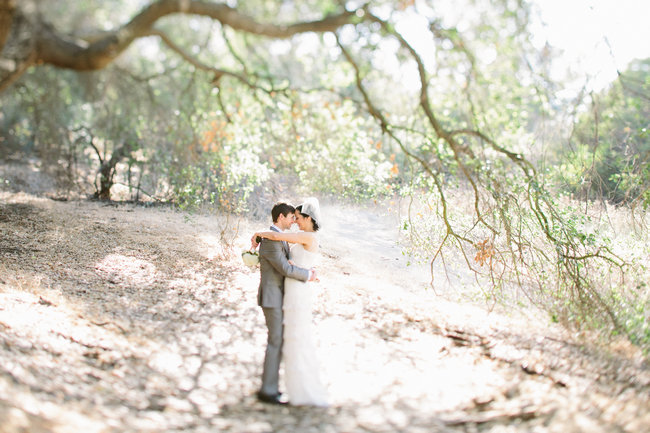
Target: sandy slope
x=118, y=318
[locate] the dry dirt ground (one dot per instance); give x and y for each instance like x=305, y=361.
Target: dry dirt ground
x=118, y=318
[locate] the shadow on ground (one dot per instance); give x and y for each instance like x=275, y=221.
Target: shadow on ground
x=117, y=318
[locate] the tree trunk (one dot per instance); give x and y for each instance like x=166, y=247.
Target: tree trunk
x=18, y=48
x=7, y=9
x=107, y=171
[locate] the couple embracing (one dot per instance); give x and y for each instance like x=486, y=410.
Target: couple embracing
x=286, y=295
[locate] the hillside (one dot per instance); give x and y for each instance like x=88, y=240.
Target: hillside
x=116, y=318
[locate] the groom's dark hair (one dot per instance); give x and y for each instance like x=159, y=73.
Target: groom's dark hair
x=281, y=209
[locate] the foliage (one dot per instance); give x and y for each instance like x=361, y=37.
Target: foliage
x=329, y=149
x=224, y=173
x=608, y=296
x=609, y=157
x=34, y=120
x=510, y=228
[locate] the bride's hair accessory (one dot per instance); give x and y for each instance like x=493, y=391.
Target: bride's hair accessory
x=311, y=208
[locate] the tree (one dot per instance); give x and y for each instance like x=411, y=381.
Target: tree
x=610, y=155
x=460, y=118
x=28, y=40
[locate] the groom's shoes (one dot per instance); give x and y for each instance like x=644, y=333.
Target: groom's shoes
x=278, y=398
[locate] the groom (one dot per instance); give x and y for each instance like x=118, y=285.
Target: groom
x=274, y=268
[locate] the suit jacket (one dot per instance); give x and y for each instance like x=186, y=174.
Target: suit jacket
x=274, y=268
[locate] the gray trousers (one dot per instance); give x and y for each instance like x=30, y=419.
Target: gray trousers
x=273, y=356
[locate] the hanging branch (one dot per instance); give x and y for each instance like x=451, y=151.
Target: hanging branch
x=387, y=129
x=218, y=72
x=569, y=260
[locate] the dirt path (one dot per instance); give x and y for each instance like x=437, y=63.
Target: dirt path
x=122, y=318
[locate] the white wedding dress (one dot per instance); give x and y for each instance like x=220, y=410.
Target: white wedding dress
x=301, y=364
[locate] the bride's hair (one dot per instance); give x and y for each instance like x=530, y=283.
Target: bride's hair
x=313, y=221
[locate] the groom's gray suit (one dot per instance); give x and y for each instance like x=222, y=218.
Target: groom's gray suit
x=274, y=268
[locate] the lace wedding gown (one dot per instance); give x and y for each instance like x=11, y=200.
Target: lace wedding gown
x=301, y=364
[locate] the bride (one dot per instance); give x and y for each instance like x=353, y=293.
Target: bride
x=301, y=365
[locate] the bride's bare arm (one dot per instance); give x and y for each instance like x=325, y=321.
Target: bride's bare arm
x=308, y=240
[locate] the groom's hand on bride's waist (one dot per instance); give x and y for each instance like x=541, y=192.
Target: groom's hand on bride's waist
x=312, y=275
